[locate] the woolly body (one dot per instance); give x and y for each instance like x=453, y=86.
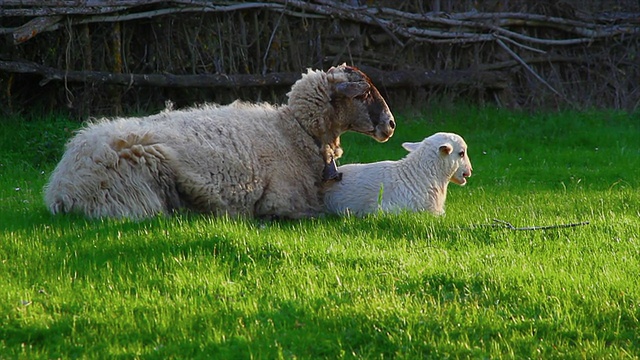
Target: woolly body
x=240, y=159
x=417, y=182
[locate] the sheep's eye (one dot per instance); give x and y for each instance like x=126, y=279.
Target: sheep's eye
x=461, y=153
x=365, y=96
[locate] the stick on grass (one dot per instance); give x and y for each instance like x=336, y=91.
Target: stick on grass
x=508, y=225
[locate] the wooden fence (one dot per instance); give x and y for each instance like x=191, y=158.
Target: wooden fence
x=92, y=57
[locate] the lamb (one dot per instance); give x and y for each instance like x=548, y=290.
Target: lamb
x=242, y=159
x=417, y=182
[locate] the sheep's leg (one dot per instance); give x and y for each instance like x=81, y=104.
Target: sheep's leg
x=121, y=180
x=150, y=184
x=208, y=189
x=287, y=197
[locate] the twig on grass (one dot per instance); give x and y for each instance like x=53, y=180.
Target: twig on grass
x=501, y=224
x=508, y=225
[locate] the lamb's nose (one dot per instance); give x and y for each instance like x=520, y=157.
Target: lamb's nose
x=392, y=124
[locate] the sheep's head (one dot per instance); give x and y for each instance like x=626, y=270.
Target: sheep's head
x=342, y=99
x=358, y=103
x=451, y=149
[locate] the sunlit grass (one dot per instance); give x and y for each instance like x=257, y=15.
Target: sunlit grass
x=408, y=285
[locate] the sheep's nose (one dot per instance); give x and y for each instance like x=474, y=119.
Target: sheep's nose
x=392, y=124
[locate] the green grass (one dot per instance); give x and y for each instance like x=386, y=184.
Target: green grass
x=405, y=286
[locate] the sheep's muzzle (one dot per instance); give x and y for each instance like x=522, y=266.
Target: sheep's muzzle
x=380, y=116
x=384, y=130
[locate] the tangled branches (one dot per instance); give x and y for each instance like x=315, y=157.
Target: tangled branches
x=402, y=26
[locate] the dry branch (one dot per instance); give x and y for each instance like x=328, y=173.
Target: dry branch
x=526, y=66
x=501, y=224
x=34, y=27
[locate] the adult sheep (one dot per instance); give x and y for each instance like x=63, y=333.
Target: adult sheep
x=417, y=182
x=254, y=160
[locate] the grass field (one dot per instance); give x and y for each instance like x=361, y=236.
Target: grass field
x=384, y=286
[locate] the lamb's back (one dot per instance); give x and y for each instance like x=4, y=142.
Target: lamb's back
x=361, y=186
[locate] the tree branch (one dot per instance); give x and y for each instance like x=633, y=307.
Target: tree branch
x=533, y=72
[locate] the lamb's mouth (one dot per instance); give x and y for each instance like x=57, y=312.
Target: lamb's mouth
x=460, y=182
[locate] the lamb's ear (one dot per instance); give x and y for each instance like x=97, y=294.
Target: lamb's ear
x=352, y=89
x=410, y=146
x=446, y=149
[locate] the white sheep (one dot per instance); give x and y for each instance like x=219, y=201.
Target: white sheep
x=417, y=182
x=241, y=159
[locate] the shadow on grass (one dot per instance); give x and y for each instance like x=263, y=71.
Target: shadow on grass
x=28, y=220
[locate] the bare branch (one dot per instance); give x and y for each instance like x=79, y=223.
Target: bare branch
x=530, y=69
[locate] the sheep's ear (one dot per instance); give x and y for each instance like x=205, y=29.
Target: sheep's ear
x=337, y=68
x=352, y=89
x=410, y=146
x=446, y=149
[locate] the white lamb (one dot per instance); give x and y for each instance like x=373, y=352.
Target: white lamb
x=416, y=183
x=241, y=159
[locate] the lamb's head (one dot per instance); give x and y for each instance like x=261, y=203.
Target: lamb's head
x=358, y=104
x=450, y=151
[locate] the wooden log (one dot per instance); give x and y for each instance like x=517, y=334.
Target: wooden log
x=158, y=80
x=387, y=79
x=451, y=78
x=107, y=7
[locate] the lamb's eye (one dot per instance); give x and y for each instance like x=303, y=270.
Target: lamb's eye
x=461, y=153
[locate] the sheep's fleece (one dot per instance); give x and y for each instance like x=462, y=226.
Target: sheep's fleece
x=416, y=183
x=241, y=159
